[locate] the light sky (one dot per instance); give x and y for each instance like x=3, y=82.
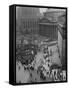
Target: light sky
x=43, y=10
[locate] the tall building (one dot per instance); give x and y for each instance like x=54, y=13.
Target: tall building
x=27, y=19
x=62, y=38
x=48, y=28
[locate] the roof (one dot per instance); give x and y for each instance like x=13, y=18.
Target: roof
x=46, y=21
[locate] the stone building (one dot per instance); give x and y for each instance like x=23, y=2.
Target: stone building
x=48, y=29
x=27, y=19
x=62, y=39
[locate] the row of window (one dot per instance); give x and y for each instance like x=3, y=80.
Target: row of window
x=29, y=23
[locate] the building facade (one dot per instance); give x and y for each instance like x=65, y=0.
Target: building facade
x=48, y=29
x=27, y=19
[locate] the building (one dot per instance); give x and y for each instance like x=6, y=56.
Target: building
x=48, y=24
x=48, y=29
x=27, y=19
x=53, y=14
x=62, y=39
x=52, y=25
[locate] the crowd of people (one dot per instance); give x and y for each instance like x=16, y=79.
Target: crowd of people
x=35, y=58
